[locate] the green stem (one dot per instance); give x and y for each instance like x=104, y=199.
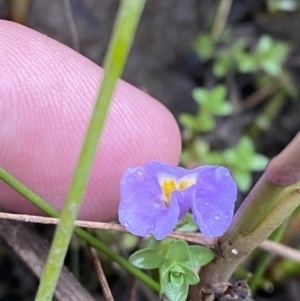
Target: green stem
x=117, y=258
x=220, y=19
x=270, y=202
x=40, y=203
x=124, y=30
x=264, y=262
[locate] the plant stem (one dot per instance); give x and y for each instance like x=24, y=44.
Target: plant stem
x=220, y=19
x=100, y=274
x=270, y=202
x=125, y=27
x=40, y=203
x=264, y=262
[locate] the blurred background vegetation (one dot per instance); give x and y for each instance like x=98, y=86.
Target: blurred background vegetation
x=229, y=71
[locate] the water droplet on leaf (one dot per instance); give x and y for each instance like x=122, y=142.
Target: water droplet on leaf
x=227, y=215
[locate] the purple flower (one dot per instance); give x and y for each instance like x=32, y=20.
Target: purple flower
x=213, y=202
x=156, y=197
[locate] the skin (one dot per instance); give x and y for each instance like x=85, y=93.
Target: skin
x=47, y=92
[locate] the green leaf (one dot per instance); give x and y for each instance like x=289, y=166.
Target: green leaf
x=206, y=121
x=264, y=44
x=176, y=293
x=188, y=121
x=230, y=157
x=240, y=156
x=222, y=65
x=244, y=153
x=152, y=258
x=147, y=258
x=187, y=224
x=176, y=279
x=164, y=270
x=272, y=67
x=177, y=275
x=196, y=153
x=199, y=256
x=178, y=252
x=243, y=179
x=246, y=63
x=217, y=96
x=259, y=162
x=151, y=242
x=224, y=109
x=281, y=5
x=191, y=277
x=242, y=160
x=248, y=159
x=204, y=47
x=213, y=101
x=271, y=54
x=172, y=289
x=201, y=96
x=213, y=158
x=164, y=273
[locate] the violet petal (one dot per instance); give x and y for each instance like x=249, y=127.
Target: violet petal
x=213, y=203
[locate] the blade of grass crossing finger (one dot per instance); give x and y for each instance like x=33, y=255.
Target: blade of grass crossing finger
x=49, y=210
x=124, y=29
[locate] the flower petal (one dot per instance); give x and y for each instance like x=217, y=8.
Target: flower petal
x=167, y=220
x=160, y=170
x=184, y=201
x=140, y=203
x=213, y=203
x=142, y=209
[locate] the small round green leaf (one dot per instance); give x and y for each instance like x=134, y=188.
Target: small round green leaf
x=243, y=179
x=178, y=252
x=217, y=96
x=201, y=96
x=188, y=121
x=199, y=256
x=177, y=279
x=259, y=162
x=190, y=276
x=222, y=65
x=204, y=46
x=147, y=258
x=205, y=121
x=176, y=293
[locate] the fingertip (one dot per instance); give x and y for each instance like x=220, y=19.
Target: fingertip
x=48, y=92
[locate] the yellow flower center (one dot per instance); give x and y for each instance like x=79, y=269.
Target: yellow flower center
x=169, y=185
